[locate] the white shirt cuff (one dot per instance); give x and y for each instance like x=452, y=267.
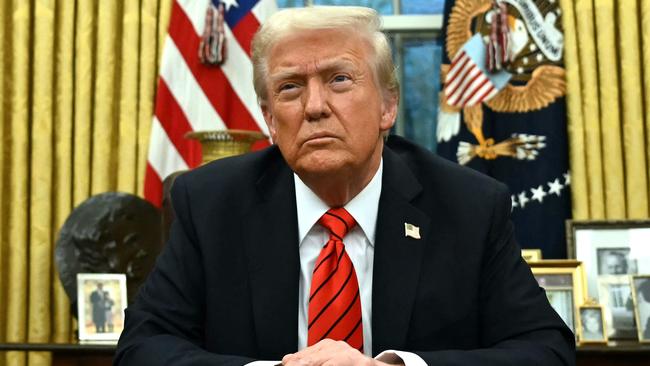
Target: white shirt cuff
x=264, y=363
x=408, y=358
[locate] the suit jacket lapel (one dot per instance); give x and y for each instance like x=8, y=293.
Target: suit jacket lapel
x=273, y=261
x=398, y=257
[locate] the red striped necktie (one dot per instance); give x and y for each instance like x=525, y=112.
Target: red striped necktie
x=334, y=303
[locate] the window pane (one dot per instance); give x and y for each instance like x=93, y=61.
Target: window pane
x=384, y=7
x=420, y=86
x=423, y=6
x=290, y=3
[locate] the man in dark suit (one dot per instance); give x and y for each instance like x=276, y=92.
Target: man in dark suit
x=330, y=247
x=99, y=310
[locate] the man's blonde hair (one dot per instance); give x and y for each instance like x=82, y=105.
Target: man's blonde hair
x=358, y=20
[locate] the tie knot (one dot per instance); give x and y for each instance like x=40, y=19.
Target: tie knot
x=338, y=221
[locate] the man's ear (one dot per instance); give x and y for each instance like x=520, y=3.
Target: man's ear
x=268, y=118
x=389, y=111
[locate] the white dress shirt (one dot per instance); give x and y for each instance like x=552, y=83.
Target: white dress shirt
x=360, y=246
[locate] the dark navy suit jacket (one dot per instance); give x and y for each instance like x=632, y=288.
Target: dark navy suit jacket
x=225, y=289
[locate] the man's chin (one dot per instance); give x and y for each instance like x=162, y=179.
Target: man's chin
x=320, y=167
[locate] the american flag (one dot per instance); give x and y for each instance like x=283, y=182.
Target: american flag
x=192, y=96
x=468, y=82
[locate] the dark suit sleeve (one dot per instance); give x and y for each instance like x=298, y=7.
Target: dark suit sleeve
x=517, y=324
x=164, y=326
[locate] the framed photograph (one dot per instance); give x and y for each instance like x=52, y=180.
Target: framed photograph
x=101, y=301
x=564, y=283
x=615, y=294
x=641, y=298
x=592, y=329
x=530, y=255
x=611, y=251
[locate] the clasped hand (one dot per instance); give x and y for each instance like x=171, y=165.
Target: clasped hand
x=330, y=353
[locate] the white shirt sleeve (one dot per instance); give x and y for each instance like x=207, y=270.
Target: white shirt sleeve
x=409, y=358
x=264, y=363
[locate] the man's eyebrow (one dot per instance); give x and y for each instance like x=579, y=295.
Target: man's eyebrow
x=296, y=72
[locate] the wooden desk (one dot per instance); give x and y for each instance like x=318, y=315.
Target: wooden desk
x=68, y=354
x=615, y=354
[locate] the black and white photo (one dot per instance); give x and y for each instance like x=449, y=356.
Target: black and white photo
x=612, y=251
x=641, y=295
x=615, y=296
x=615, y=261
x=592, y=327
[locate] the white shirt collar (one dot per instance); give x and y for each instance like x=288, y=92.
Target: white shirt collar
x=363, y=207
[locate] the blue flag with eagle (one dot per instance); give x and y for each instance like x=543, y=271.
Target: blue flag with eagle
x=502, y=108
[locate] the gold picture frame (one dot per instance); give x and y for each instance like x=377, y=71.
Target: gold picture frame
x=565, y=284
x=640, y=286
x=531, y=255
x=592, y=327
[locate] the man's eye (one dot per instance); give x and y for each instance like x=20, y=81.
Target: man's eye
x=287, y=87
x=340, y=78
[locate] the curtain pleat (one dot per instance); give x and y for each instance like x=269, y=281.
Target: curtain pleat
x=609, y=133
x=128, y=120
x=4, y=172
x=18, y=177
x=576, y=131
x=645, y=49
x=104, y=126
x=590, y=107
x=77, y=87
x=83, y=99
x=632, y=94
x=63, y=150
x=615, y=205
x=148, y=55
x=40, y=221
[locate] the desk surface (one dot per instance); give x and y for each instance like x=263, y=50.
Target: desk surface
x=59, y=347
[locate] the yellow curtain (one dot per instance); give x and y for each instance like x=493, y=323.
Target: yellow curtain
x=607, y=44
x=77, y=85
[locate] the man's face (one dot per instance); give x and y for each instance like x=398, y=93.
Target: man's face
x=325, y=110
x=615, y=264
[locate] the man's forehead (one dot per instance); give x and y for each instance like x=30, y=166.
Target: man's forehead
x=341, y=62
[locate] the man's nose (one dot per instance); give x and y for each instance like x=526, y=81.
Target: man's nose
x=316, y=101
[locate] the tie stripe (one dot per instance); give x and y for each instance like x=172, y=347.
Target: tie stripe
x=347, y=310
x=331, y=300
x=315, y=292
x=334, y=301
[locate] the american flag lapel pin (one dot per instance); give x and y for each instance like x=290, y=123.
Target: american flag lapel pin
x=411, y=230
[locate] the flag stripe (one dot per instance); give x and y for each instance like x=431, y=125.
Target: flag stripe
x=458, y=81
x=152, y=186
x=264, y=9
x=455, y=70
x=244, y=31
x=460, y=88
x=481, y=93
x=471, y=88
x=239, y=72
x=187, y=91
x=173, y=121
x=163, y=156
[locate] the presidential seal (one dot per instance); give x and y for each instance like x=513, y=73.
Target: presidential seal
x=505, y=55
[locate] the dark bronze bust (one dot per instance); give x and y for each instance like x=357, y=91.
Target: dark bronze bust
x=109, y=233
